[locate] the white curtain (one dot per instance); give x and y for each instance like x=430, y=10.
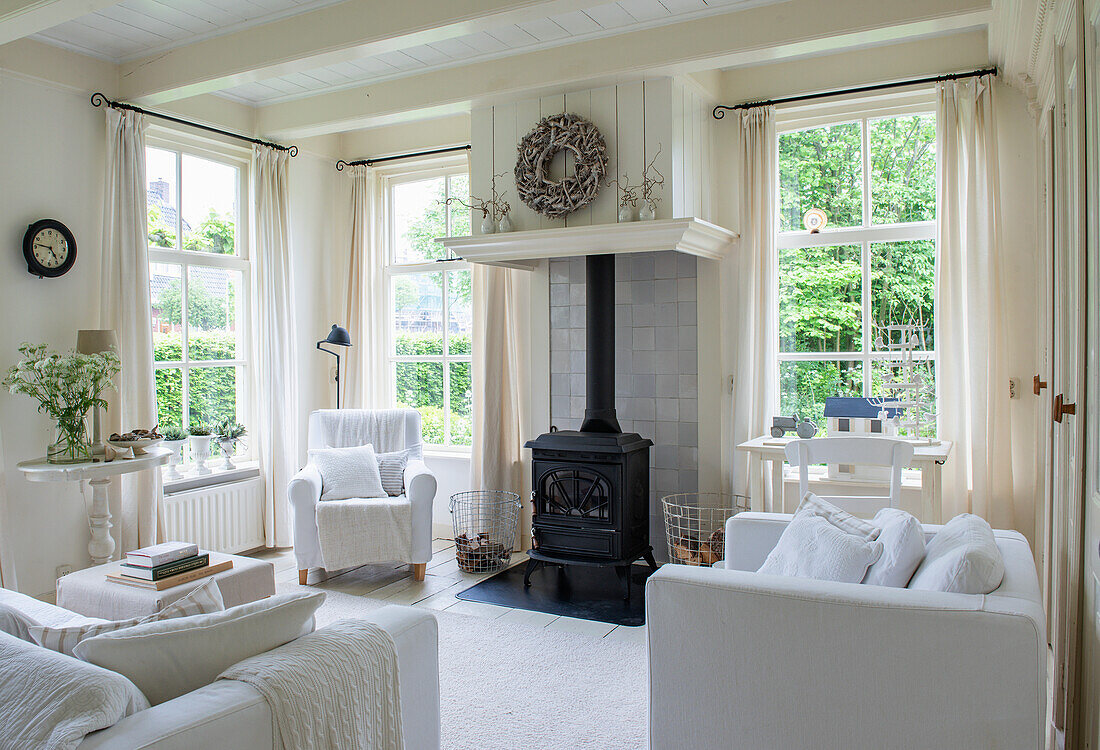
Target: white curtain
x=971, y=336
x=275, y=351
x=136, y=501
x=364, y=312
x=7, y=562
x=755, y=328
x=500, y=377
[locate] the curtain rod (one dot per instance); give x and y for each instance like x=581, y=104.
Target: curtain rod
x=98, y=100
x=371, y=162
x=720, y=111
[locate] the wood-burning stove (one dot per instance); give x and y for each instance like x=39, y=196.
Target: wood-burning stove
x=590, y=487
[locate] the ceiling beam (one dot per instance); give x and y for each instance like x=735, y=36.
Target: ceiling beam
x=20, y=18
x=325, y=36
x=797, y=28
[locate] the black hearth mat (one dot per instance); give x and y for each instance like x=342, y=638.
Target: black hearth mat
x=589, y=593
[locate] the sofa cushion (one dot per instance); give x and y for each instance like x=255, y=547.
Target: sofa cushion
x=962, y=558
x=348, y=472
x=391, y=466
x=204, y=599
x=811, y=547
x=902, y=548
x=169, y=658
x=19, y=612
x=842, y=519
x=49, y=700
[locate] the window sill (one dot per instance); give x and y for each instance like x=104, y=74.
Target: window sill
x=245, y=470
x=439, y=452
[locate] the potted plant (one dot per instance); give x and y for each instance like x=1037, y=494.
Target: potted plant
x=229, y=433
x=200, y=438
x=66, y=387
x=174, y=438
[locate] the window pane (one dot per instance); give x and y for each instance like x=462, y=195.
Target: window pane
x=166, y=300
x=903, y=281
x=209, y=206
x=804, y=386
x=213, y=392
x=160, y=197
x=903, y=169
x=821, y=168
x=419, y=385
x=462, y=401
x=460, y=215
x=169, y=398
x=820, y=303
x=213, y=313
x=924, y=371
x=418, y=314
x=419, y=216
x=459, y=313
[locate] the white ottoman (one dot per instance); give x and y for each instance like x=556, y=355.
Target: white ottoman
x=88, y=592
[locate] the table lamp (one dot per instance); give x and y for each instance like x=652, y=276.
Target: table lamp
x=337, y=337
x=96, y=341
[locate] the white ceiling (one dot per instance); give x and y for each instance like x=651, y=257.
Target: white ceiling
x=139, y=28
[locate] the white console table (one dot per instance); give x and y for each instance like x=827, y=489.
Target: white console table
x=100, y=475
x=927, y=458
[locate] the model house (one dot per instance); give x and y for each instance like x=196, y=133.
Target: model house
x=402, y=375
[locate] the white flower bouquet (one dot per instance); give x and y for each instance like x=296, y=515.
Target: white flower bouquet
x=66, y=386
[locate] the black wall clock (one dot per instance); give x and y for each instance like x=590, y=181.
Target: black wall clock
x=50, y=248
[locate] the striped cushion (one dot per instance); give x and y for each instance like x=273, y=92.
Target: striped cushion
x=392, y=468
x=842, y=519
x=206, y=598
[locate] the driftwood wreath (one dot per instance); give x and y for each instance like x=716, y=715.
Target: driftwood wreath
x=564, y=132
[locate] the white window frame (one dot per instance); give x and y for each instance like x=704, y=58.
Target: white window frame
x=805, y=117
x=390, y=178
x=168, y=140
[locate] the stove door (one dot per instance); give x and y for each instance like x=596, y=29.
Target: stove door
x=575, y=495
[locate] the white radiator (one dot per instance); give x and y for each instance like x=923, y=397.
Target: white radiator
x=223, y=518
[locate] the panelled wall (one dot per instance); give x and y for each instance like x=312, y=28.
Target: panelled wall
x=664, y=122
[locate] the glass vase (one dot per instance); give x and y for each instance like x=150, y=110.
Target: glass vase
x=72, y=446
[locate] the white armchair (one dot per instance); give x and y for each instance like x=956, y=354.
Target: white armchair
x=352, y=427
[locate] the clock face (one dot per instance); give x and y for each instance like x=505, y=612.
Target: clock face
x=50, y=248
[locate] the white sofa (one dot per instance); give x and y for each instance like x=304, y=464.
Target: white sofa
x=739, y=659
x=347, y=428
x=231, y=714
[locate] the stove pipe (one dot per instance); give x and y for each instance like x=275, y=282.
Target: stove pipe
x=599, y=413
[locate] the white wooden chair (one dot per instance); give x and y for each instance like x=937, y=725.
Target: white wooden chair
x=858, y=451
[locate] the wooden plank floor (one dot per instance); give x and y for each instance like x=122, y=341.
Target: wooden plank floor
x=394, y=584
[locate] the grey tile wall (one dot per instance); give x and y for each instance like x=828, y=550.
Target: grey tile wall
x=656, y=363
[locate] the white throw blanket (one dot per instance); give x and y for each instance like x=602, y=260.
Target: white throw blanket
x=362, y=531
x=382, y=428
x=334, y=688
x=51, y=701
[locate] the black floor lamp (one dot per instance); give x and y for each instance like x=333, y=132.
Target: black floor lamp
x=337, y=337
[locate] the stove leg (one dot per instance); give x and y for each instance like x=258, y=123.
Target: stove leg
x=623, y=572
x=532, y=566
x=649, y=559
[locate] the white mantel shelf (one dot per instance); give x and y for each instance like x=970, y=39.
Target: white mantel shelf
x=524, y=249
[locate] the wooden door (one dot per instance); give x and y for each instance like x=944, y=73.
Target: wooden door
x=1067, y=380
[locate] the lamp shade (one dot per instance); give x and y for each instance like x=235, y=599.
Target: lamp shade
x=338, y=336
x=96, y=341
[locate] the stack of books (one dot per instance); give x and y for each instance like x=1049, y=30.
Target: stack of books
x=163, y=566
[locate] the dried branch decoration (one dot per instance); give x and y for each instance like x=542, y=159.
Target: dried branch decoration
x=648, y=182
x=553, y=134
x=496, y=206
x=628, y=195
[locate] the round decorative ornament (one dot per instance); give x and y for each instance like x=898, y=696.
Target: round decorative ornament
x=564, y=132
x=815, y=220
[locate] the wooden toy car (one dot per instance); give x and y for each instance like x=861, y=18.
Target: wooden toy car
x=802, y=427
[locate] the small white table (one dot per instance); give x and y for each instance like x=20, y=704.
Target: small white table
x=99, y=474
x=927, y=458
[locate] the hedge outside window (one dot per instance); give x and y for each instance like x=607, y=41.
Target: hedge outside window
x=430, y=307
x=871, y=267
x=198, y=279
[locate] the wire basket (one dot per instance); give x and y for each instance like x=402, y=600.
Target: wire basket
x=485, y=529
x=695, y=525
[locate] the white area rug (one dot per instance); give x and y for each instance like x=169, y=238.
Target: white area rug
x=510, y=687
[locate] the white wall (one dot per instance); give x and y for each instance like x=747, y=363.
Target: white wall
x=51, y=166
